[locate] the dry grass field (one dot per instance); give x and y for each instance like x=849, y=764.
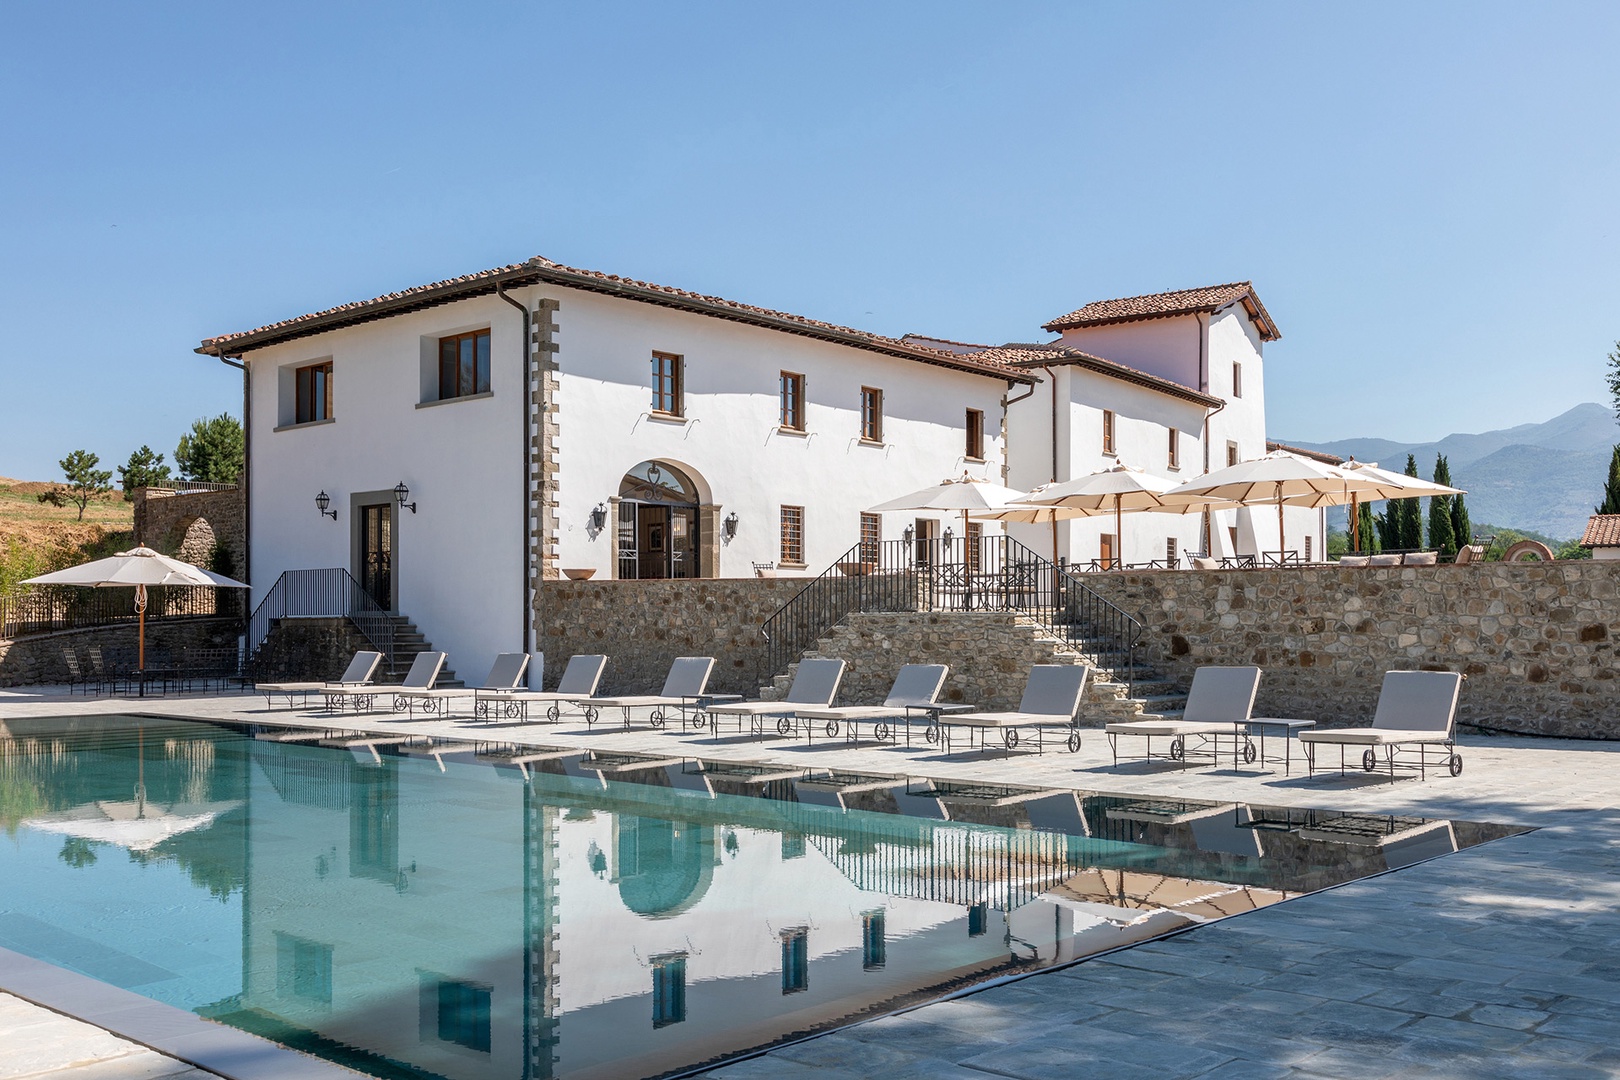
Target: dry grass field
x=36, y=537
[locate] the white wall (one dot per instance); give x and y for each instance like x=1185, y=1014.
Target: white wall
x=1167, y=348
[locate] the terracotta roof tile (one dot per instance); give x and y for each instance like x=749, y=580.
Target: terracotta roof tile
x=1602, y=530
x=1316, y=455
x=1027, y=354
x=1167, y=305
x=540, y=270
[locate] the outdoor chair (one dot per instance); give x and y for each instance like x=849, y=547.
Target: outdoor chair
x=815, y=684
x=1470, y=554
x=578, y=684
x=916, y=688
x=1218, y=703
x=75, y=674
x=360, y=671
x=423, y=674
x=505, y=677
x=684, y=689
x=1051, y=699
x=1417, y=710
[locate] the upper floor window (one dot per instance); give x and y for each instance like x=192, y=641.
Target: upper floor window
x=464, y=365
x=1108, y=431
x=1175, y=449
x=871, y=414
x=975, y=434
x=871, y=538
x=1231, y=453
x=1237, y=379
x=668, y=384
x=313, y=392
x=791, y=406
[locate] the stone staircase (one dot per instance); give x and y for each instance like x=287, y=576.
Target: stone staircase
x=989, y=654
x=408, y=643
x=314, y=648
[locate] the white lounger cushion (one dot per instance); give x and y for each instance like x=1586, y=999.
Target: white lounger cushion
x=815, y=684
x=1413, y=706
x=916, y=686
x=1052, y=696
x=1167, y=727
x=358, y=673
x=1373, y=736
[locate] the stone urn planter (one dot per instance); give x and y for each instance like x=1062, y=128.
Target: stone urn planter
x=580, y=573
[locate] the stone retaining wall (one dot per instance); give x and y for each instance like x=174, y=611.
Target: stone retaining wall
x=38, y=660
x=307, y=650
x=643, y=625
x=187, y=524
x=1536, y=640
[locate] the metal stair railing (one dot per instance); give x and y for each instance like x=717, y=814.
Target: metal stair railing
x=327, y=593
x=989, y=573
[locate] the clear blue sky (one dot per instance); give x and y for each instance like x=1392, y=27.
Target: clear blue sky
x=1425, y=195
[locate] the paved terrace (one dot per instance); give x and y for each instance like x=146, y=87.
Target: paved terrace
x=1499, y=961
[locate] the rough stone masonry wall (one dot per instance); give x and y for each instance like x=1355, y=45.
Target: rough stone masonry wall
x=1536, y=640
x=163, y=520
x=643, y=625
x=38, y=660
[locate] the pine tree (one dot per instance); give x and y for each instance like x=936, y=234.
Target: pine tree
x=1369, y=533
x=1441, y=537
x=1611, y=490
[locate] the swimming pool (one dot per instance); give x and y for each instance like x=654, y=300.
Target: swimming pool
x=466, y=910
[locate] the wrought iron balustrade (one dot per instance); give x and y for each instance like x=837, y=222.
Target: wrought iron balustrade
x=328, y=593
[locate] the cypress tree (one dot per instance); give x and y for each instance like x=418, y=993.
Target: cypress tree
x=1441, y=537
x=1389, y=526
x=1611, y=490
x=1369, y=532
x=1408, y=516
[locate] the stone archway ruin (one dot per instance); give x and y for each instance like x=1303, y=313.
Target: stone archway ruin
x=1528, y=551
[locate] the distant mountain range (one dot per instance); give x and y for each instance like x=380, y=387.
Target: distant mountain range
x=1545, y=477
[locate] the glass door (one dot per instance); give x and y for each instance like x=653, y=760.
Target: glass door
x=377, y=553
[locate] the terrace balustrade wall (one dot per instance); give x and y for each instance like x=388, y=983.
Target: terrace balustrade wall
x=1535, y=639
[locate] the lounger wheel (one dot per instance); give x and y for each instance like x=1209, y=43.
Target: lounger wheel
x=699, y=721
x=931, y=733
x=831, y=729
x=1454, y=764
x=1074, y=742
x=554, y=713
x=784, y=725
x=590, y=715
x=1249, y=753
x=1009, y=738
x=656, y=719
x=883, y=732
x=401, y=704
x=1369, y=760
x=1178, y=748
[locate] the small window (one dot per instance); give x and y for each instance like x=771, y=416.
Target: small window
x=793, y=535
x=456, y=1012
x=1231, y=453
x=791, y=406
x=796, y=960
x=871, y=538
x=1175, y=449
x=1308, y=540
x=669, y=989
x=668, y=384
x=1237, y=379
x=464, y=365
x=975, y=541
x=874, y=945
x=1108, y=431
x=1170, y=552
x=314, y=384
x=303, y=969
x=975, y=434
x=871, y=414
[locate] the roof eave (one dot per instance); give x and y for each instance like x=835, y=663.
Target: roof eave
x=1124, y=374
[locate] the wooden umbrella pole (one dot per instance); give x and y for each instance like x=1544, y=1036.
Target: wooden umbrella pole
x=1282, y=539
x=1355, y=521
x=140, y=610
x=1119, y=534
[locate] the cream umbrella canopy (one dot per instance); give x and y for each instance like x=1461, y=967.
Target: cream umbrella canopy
x=965, y=494
x=1393, y=485
x=140, y=567
x=1119, y=490
x=1027, y=513
x=1277, y=478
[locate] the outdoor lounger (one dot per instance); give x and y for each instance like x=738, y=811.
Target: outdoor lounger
x=505, y=678
x=358, y=673
x=915, y=689
x=578, y=683
x=1218, y=704
x=423, y=674
x=815, y=684
x=1417, y=710
x=1051, y=699
x=684, y=688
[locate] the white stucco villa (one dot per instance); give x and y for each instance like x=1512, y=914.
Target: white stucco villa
x=456, y=444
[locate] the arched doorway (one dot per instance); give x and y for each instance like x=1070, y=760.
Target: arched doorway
x=659, y=522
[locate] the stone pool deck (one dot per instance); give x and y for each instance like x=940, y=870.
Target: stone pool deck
x=1499, y=961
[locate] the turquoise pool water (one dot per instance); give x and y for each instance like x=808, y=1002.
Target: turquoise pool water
x=474, y=911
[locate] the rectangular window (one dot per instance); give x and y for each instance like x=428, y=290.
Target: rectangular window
x=1308, y=540
x=1170, y=552
x=1108, y=431
x=975, y=541
x=303, y=969
x=1237, y=379
x=669, y=989
x=871, y=414
x=314, y=385
x=793, y=535
x=464, y=365
x=1175, y=449
x=975, y=434
x=456, y=1012
x=871, y=538
x=792, y=401
x=668, y=384
x=874, y=946
x=1231, y=453
x=796, y=960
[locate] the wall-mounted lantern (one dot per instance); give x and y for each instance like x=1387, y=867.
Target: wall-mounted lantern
x=599, y=517
x=401, y=493
x=322, y=501
x=731, y=522
x=909, y=535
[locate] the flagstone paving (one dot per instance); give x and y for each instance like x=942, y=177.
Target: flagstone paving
x=1500, y=961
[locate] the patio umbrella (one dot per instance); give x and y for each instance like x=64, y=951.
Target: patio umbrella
x=1392, y=485
x=965, y=494
x=139, y=567
x=1119, y=490
x=1030, y=514
x=1281, y=478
